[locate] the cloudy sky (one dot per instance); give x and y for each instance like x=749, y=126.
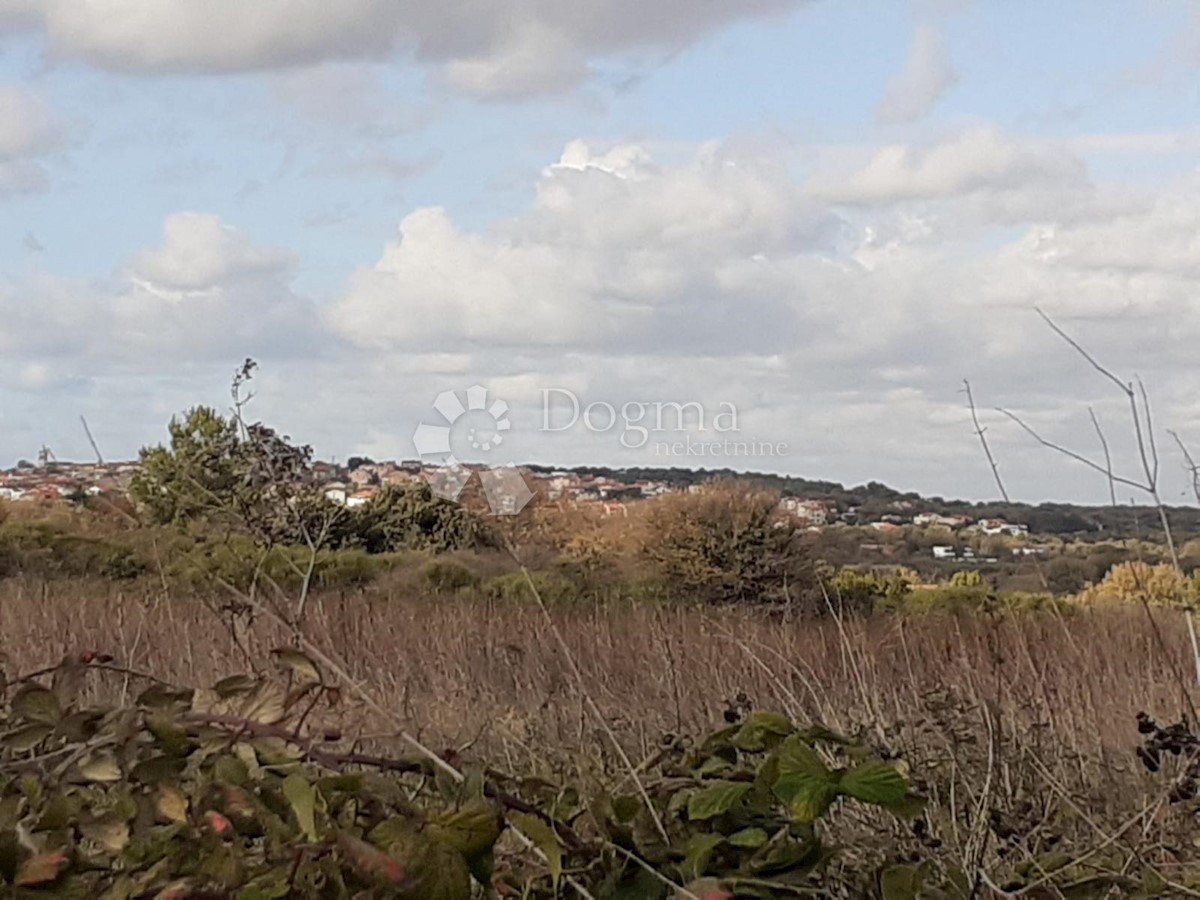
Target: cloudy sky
x=822, y=214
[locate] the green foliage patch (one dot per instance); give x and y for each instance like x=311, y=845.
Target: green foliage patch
x=231, y=792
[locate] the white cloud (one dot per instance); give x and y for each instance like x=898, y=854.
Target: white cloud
x=199, y=253
x=520, y=46
x=1155, y=143
x=841, y=329
x=1009, y=178
x=844, y=332
x=29, y=130
x=614, y=250
x=204, y=292
x=927, y=74
x=531, y=60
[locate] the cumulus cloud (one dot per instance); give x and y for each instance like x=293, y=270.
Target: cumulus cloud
x=927, y=74
x=997, y=176
x=29, y=130
x=202, y=290
x=517, y=47
x=200, y=253
x=840, y=326
x=613, y=251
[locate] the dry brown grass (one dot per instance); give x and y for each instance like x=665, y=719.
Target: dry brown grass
x=461, y=670
x=1028, y=716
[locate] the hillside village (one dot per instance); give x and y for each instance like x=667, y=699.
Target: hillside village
x=355, y=483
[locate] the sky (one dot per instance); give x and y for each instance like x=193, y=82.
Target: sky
x=803, y=222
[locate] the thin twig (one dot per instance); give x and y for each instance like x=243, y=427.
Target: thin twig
x=987, y=450
x=1108, y=469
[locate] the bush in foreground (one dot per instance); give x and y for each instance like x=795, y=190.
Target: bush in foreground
x=229, y=792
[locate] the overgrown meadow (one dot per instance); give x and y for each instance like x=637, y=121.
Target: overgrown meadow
x=224, y=687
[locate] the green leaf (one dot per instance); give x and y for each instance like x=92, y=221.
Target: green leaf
x=36, y=704
x=812, y=800
x=170, y=737
x=773, y=723
x=303, y=799
x=544, y=838
x=804, y=783
x=110, y=833
x=785, y=854
x=171, y=803
x=268, y=704
x=231, y=769
x=910, y=806
x=698, y=853
x=100, y=767
x=716, y=799
x=472, y=829
x=161, y=698
x=24, y=739
x=626, y=807
x=874, y=781
x=157, y=769
x=750, y=838
x=438, y=871
x=712, y=766
x=298, y=663
x=59, y=811
x=797, y=758
x=900, y=882
x=235, y=685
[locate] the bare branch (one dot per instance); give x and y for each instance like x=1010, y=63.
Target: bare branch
x=987, y=451
x=1112, y=485
x=1078, y=457
x=1125, y=388
x=1153, y=478
x=1192, y=467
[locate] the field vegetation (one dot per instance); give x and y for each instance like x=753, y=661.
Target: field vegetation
x=226, y=686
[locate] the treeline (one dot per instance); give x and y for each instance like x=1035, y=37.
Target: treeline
x=875, y=499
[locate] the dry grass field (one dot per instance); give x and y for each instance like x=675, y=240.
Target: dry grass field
x=490, y=674
x=1021, y=725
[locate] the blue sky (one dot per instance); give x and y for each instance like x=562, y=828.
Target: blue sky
x=826, y=213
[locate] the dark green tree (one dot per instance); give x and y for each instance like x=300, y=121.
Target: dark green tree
x=410, y=517
x=195, y=474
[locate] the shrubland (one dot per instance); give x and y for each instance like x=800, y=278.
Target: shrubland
x=230, y=687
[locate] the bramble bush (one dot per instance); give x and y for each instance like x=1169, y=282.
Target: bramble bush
x=234, y=792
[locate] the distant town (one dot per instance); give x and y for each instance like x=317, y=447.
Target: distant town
x=356, y=482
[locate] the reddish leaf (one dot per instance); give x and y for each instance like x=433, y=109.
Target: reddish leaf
x=41, y=869
x=218, y=822
x=707, y=889
x=370, y=861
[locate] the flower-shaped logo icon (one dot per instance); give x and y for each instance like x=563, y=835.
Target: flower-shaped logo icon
x=479, y=426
